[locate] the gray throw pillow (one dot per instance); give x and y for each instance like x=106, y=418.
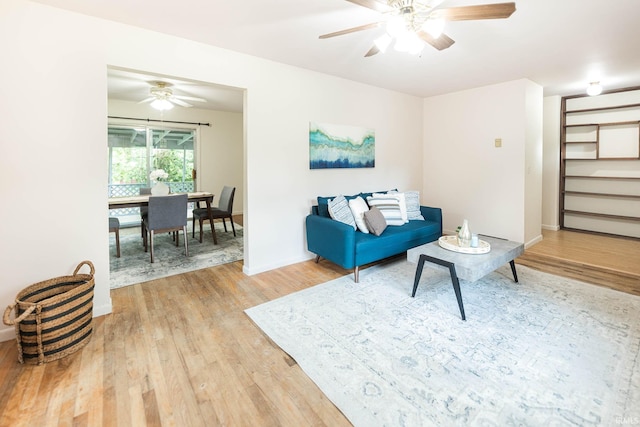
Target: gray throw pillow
x=375, y=221
x=413, y=205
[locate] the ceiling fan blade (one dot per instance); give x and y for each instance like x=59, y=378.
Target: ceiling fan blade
x=374, y=49
x=440, y=43
x=181, y=103
x=149, y=99
x=351, y=30
x=481, y=11
x=190, y=98
x=373, y=4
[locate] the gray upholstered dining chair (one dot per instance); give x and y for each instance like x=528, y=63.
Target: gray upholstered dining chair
x=223, y=211
x=114, y=227
x=143, y=209
x=166, y=214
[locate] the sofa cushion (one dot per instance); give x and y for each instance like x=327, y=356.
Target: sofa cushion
x=340, y=211
x=412, y=198
x=389, y=205
x=358, y=208
x=394, y=240
x=375, y=221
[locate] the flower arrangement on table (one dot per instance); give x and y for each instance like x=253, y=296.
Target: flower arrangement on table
x=158, y=175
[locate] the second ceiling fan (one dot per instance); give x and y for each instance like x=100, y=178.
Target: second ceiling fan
x=411, y=23
x=163, y=98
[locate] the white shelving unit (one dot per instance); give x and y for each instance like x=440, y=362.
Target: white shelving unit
x=600, y=163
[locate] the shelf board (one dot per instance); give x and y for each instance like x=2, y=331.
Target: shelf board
x=607, y=158
x=601, y=177
x=615, y=107
x=601, y=215
x=580, y=142
x=587, y=193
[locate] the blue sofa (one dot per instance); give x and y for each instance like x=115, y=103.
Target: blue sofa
x=349, y=248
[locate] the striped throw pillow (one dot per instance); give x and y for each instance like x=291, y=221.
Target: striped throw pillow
x=340, y=211
x=389, y=206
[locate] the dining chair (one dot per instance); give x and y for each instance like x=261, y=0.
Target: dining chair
x=143, y=209
x=166, y=214
x=223, y=211
x=114, y=227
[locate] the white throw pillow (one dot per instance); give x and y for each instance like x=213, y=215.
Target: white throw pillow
x=389, y=206
x=412, y=199
x=340, y=211
x=358, y=208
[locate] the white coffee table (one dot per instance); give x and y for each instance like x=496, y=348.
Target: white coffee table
x=469, y=267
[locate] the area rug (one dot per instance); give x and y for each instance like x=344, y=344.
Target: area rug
x=546, y=351
x=134, y=264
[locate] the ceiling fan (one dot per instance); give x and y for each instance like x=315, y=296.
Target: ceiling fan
x=412, y=23
x=162, y=97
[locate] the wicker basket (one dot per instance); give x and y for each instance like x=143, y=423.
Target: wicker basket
x=53, y=318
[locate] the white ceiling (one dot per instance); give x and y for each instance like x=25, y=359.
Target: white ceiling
x=131, y=86
x=559, y=44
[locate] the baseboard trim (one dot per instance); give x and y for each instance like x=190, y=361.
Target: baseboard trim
x=551, y=227
x=533, y=241
x=250, y=271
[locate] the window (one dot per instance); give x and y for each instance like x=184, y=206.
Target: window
x=135, y=151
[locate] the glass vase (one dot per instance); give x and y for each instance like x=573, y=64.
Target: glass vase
x=464, y=235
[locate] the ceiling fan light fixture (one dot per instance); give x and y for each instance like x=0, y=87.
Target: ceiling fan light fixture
x=409, y=43
x=161, y=104
x=435, y=27
x=594, y=89
x=396, y=26
x=383, y=42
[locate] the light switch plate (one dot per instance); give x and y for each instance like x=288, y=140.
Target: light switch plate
x=498, y=142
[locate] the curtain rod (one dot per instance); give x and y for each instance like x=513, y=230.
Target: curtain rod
x=161, y=121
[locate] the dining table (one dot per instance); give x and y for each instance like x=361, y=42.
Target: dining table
x=143, y=200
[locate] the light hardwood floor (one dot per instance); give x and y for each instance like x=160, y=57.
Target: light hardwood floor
x=180, y=351
x=602, y=260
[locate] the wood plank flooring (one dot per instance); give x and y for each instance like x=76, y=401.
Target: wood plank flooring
x=602, y=260
x=180, y=351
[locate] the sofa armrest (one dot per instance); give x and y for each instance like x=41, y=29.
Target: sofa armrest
x=332, y=240
x=432, y=214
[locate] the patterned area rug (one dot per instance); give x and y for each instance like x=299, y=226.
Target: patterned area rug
x=546, y=351
x=134, y=264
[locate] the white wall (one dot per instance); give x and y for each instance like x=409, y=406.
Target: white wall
x=551, y=164
x=466, y=175
x=219, y=147
x=533, y=157
x=54, y=164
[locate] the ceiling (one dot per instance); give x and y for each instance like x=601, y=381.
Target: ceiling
x=125, y=85
x=559, y=44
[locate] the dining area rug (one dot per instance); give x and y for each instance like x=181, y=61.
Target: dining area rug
x=134, y=265
x=545, y=351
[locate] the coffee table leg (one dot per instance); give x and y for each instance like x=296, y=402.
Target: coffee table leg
x=513, y=270
x=452, y=271
x=418, y=274
x=456, y=288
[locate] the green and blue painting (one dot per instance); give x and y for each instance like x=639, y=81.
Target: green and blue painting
x=339, y=146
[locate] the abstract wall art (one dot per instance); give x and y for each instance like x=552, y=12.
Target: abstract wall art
x=338, y=146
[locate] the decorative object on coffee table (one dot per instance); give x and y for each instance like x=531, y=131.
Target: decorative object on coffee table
x=451, y=243
x=464, y=235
